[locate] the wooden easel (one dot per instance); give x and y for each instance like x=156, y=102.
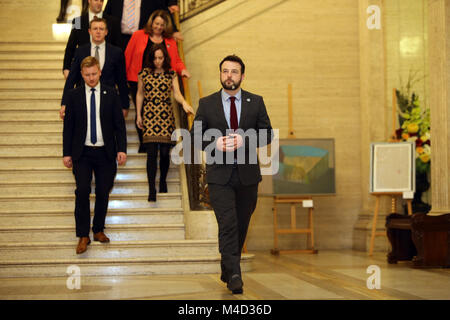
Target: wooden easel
x=393, y=195
x=293, y=201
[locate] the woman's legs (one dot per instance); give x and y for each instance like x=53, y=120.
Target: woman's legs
x=152, y=154
x=164, y=164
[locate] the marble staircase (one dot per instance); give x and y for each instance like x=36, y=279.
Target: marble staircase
x=37, y=227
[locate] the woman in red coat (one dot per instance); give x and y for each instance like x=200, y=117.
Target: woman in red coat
x=157, y=30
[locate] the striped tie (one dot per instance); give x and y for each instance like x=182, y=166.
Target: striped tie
x=130, y=14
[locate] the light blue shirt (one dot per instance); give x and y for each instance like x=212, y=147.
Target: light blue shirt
x=226, y=105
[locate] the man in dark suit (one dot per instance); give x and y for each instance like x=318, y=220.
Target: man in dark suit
x=112, y=64
x=94, y=137
x=80, y=35
x=133, y=15
x=232, y=169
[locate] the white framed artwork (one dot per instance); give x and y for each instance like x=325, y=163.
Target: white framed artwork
x=392, y=167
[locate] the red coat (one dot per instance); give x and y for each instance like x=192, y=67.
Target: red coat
x=135, y=51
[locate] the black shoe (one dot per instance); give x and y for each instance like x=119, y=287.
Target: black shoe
x=162, y=187
x=235, y=284
x=152, y=197
x=223, y=278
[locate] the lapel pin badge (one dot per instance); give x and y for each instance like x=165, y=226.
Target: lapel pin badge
x=248, y=99
x=104, y=92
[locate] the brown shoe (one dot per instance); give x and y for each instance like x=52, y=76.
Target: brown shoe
x=82, y=244
x=100, y=236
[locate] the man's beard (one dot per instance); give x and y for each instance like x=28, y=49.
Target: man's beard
x=232, y=86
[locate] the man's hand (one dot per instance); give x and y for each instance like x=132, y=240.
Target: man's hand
x=174, y=8
x=238, y=141
x=229, y=143
x=67, y=161
x=125, y=113
x=66, y=73
x=121, y=158
x=62, y=112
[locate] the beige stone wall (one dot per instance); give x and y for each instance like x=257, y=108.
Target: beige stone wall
x=314, y=47
x=406, y=42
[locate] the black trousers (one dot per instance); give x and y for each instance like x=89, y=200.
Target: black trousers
x=233, y=205
x=93, y=160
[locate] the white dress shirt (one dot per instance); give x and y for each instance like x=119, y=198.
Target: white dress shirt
x=101, y=52
x=100, y=141
x=91, y=15
x=137, y=15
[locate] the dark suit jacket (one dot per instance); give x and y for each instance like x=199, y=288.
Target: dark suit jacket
x=111, y=118
x=115, y=8
x=80, y=35
x=113, y=72
x=253, y=116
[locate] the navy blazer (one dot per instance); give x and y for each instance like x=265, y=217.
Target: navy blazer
x=80, y=36
x=210, y=115
x=113, y=72
x=111, y=118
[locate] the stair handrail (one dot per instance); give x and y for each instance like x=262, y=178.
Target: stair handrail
x=195, y=173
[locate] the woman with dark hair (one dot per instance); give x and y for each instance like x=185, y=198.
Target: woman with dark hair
x=154, y=117
x=158, y=30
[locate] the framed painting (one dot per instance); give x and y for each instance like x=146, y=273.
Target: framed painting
x=392, y=167
x=304, y=167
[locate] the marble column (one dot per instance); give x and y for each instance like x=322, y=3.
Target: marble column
x=439, y=77
x=374, y=119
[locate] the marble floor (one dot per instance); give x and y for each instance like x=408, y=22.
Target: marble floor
x=329, y=275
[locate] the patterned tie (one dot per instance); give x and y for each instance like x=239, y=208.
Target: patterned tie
x=93, y=118
x=233, y=114
x=97, y=54
x=130, y=14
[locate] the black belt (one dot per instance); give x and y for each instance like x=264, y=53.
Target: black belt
x=94, y=147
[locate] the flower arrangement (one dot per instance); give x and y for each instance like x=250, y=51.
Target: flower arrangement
x=415, y=126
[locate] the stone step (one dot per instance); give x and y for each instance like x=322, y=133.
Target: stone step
x=21, y=58
x=55, y=126
x=43, y=116
x=117, y=211
x=14, y=74
x=116, y=232
x=114, y=250
x=26, y=63
x=37, y=84
x=27, y=105
x=50, y=138
x=31, y=94
x=44, y=150
x=29, y=46
x=123, y=177
x=67, y=203
x=44, y=189
x=116, y=267
x=146, y=216
x=134, y=161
